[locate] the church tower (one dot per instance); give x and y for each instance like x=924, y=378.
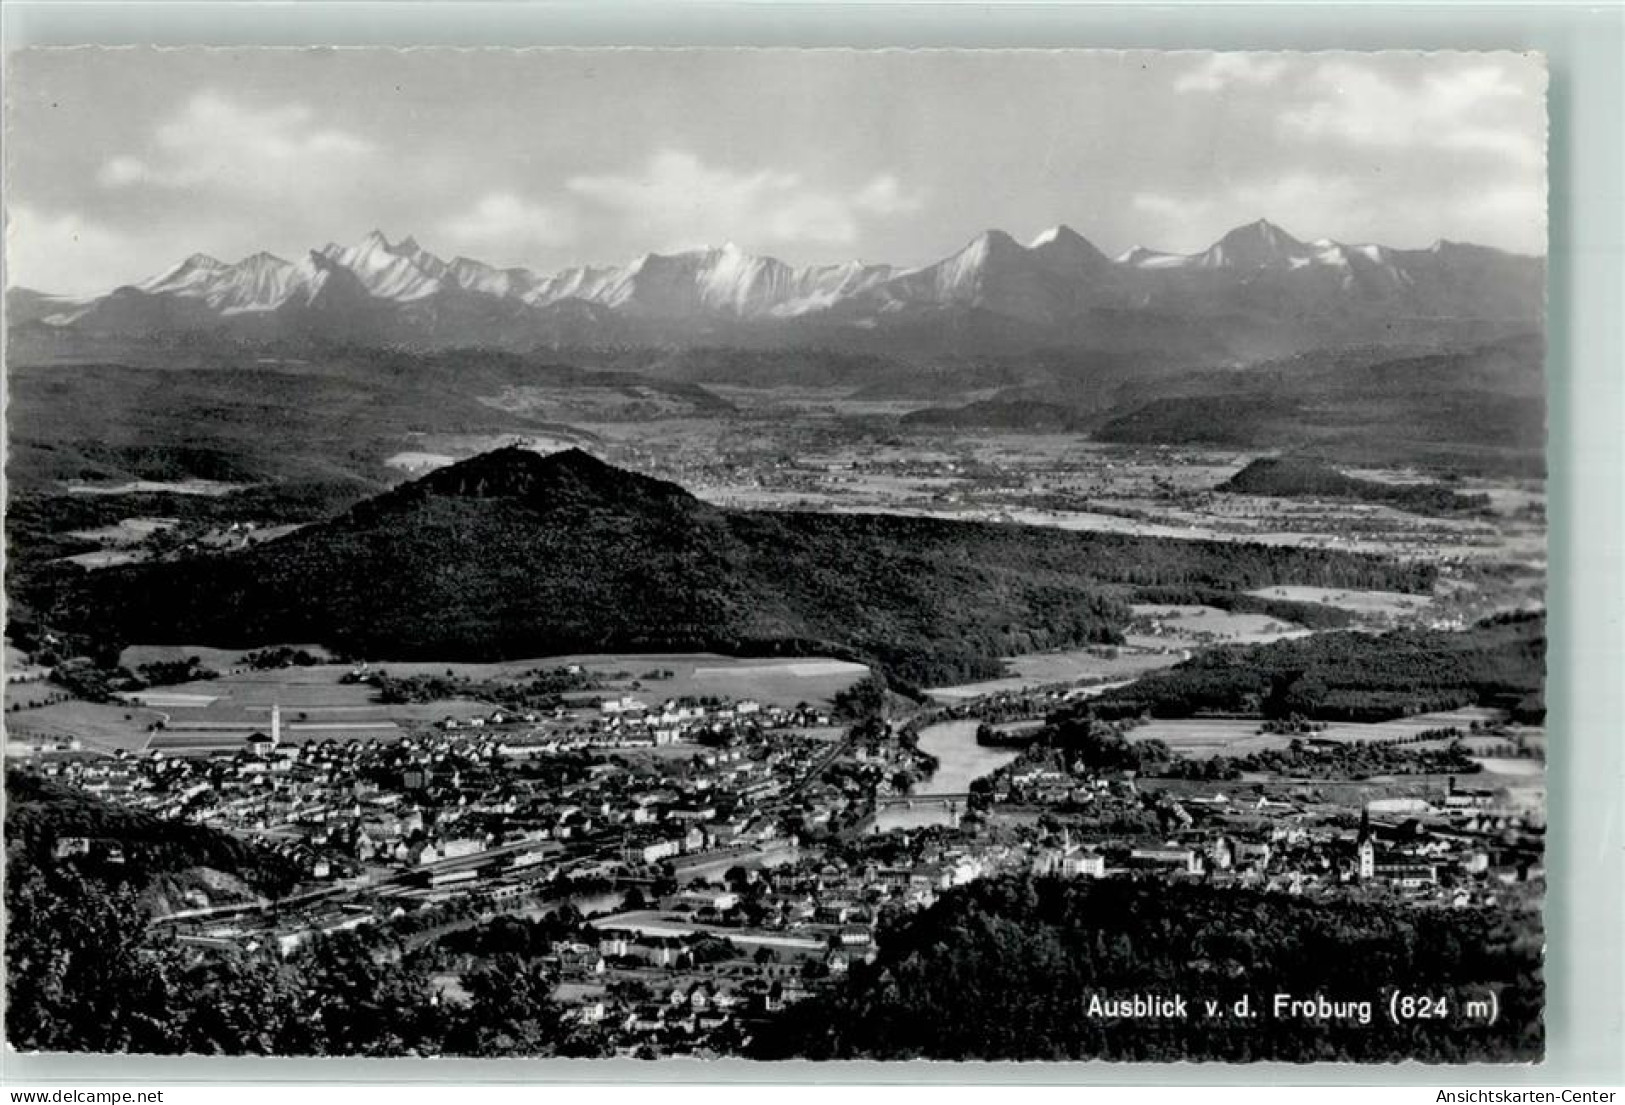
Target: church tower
x=276, y=725
x=1365, y=848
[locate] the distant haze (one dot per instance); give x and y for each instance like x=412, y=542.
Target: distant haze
x=121, y=162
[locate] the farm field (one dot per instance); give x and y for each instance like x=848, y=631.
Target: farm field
x=1522, y=770
x=772, y=681
x=31, y=693
x=1204, y=737
x=1067, y=666
x=103, y=727
x=1188, y=626
x=171, y=700
x=313, y=687
x=1199, y=738
x=775, y=682
x=311, y=694
x=209, y=714
x=1333, y=795
x=1367, y=603
x=1408, y=727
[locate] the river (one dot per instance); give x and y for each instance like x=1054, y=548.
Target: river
x=960, y=761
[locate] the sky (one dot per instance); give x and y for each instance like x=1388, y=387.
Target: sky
x=120, y=163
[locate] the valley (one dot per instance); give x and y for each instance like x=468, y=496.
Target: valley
x=664, y=697
x=704, y=644
x=769, y=554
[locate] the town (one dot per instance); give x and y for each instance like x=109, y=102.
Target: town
x=693, y=865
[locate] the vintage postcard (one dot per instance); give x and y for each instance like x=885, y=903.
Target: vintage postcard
x=960, y=555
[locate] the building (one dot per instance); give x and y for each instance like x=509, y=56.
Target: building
x=1187, y=860
x=652, y=851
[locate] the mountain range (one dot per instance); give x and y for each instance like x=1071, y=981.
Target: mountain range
x=1056, y=289
x=514, y=554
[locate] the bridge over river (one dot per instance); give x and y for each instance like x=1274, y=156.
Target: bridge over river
x=943, y=797
x=915, y=801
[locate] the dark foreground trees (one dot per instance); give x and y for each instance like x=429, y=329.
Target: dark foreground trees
x=86, y=971
x=1007, y=969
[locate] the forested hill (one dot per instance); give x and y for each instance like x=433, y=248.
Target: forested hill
x=1006, y=969
x=513, y=554
x=1352, y=676
x=1304, y=478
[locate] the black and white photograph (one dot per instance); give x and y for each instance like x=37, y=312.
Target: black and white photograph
x=776, y=554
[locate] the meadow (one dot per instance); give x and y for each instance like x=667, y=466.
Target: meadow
x=1365, y=603
x=316, y=704
x=1040, y=669
x=107, y=728
x=1188, y=626
x=1200, y=738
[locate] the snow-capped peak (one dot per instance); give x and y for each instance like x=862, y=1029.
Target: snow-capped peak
x=1257, y=245
x=192, y=274
x=989, y=240
x=401, y=272
x=260, y=281
x=1067, y=253
x=1053, y=279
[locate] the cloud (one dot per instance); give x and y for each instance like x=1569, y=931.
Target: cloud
x=1173, y=209
x=1483, y=108
x=1311, y=200
x=1310, y=205
x=1220, y=71
x=507, y=222
x=216, y=142
x=677, y=201
x=885, y=196
x=1508, y=205
x=66, y=253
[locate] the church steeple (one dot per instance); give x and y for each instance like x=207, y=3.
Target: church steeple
x=1365, y=849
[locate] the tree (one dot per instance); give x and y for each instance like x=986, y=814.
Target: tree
x=510, y=1012
x=365, y=1007
x=863, y=700
x=80, y=975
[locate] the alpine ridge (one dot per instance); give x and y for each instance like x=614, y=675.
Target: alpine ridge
x=1058, y=289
